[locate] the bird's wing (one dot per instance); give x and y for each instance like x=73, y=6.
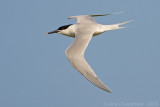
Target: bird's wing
x=83, y=19
x=75, y=54
x=88, y=18
x=105, y=14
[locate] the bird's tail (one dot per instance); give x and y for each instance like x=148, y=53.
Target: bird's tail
x=117, y=26
x=114, y=26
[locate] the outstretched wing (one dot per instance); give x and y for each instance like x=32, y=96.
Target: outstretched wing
x=88, y=18
x=105, y=14
x=75, y=54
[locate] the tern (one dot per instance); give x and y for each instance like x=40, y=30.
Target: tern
x=83, y=31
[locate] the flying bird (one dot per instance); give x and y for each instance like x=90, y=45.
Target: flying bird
x=83, y=31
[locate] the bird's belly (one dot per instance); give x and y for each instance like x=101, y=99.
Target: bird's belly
x=97, y=33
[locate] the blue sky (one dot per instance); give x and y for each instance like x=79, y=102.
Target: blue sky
x=34, y=71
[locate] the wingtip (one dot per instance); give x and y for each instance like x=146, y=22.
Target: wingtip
x=109, y=91
x=118, y=12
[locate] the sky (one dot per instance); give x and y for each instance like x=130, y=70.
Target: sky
x=34, y=71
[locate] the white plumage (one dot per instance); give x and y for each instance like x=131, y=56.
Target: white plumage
x=83, y=31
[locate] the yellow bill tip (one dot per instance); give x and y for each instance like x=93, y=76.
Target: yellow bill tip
x=46, y=33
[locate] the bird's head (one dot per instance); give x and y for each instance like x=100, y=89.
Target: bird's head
x=59, y=30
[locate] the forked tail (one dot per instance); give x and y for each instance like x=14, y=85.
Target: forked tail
x=117, y=26
x=114, y=26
